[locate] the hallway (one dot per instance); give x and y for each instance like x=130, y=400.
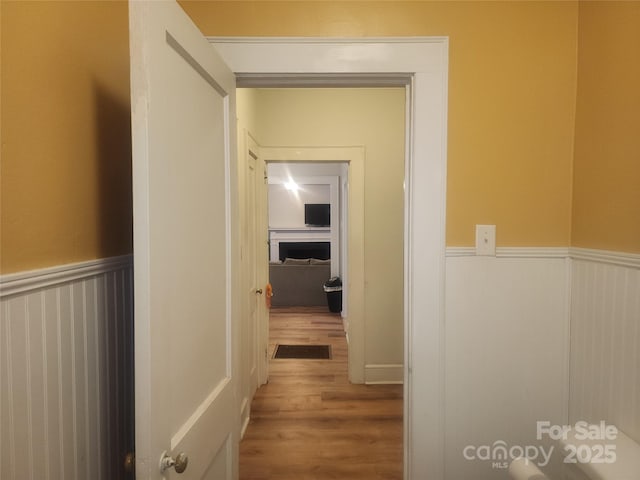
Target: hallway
x=309, y=422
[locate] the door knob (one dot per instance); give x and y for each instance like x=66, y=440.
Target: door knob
x=179, y=463
x=258, y=291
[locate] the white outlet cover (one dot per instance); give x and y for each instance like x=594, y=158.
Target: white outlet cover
x=486, y=240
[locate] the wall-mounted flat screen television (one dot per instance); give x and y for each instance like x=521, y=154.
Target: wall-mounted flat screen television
x=317, y=214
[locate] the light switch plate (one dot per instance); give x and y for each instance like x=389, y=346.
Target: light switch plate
x=486, y=240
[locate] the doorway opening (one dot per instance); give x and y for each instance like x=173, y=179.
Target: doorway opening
x=307, y=230
x=365, y=173
x=422, y=62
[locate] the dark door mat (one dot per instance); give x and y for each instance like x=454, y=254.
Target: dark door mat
x=321, y=352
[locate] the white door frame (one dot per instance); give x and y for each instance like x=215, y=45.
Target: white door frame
x=425, y=61
x=354, y=157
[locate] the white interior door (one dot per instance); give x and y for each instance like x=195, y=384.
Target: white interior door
x=255, y=262
x=261, y=264
x=183, y=124
x=254, y=291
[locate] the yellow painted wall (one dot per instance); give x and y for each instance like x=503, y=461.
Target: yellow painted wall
x=512, y=94
x=511, y=98
x=66, y=143
x=606, y=210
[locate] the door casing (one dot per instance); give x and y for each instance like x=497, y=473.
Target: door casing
x=354, y=293
x=423, y=61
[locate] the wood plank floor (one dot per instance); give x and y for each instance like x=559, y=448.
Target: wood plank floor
x=309, y=422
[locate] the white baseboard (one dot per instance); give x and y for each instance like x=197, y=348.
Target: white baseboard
x=383, y=374
x=245, y=409
x=245, y=425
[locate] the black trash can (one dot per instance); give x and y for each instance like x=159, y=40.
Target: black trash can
x=333, y=289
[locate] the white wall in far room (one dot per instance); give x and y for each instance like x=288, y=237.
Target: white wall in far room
x=286, y=207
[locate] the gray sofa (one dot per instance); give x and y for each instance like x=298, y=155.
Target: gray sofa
x=296, y=283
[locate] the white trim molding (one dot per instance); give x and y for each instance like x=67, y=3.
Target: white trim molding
x=532, y=252
x=631, y=260
x=24, y=282
x=513, y=252
x=355, y=275
x=383, y=374
x=460, y=252
x=335, y=57
x=425, y=61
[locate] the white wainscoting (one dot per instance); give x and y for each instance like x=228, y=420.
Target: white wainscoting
x=605, y=339
x=507, y=327
x=66, y=383
x=66, y=345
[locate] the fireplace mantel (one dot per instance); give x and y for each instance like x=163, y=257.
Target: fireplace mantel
x=303, y=234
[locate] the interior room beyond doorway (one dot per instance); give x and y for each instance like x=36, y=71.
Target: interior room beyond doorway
x=374, y=119
x=308, y=221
